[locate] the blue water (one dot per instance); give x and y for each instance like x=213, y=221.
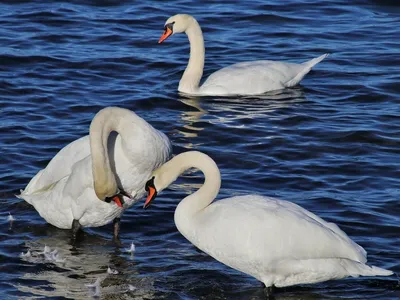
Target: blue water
x=331, y=144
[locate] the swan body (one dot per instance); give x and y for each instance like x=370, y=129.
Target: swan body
x=245, y=78
x=275, y=241
x=119, y=154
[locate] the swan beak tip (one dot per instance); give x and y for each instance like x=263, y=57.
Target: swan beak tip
x=152, y=193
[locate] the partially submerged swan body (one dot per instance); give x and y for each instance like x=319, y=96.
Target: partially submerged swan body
x=244, y=78
x=111, y=164
x=276, y=241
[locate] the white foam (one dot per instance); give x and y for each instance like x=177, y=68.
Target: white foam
x=96, y=287
x=131, y=249
x=111, y=271
x=10, y=217
x=28, y=254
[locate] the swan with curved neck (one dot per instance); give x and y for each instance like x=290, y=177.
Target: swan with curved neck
x=111, y=164
x=105, y=122
x=275, y=241
x=245, y=78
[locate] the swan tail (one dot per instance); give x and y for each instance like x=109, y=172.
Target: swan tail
x=23, y=195
x=319, y=270
x=307, y=67
x=366, y=270
x=32, y=185
x=19, y=196
x=311, y=63
x=348, y=267
x=32, y=188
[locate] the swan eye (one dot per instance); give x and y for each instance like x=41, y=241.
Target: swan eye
x=169, y=26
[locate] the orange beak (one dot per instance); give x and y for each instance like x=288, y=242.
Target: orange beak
x=118, y=200
x=165, y=35
x=151, y=194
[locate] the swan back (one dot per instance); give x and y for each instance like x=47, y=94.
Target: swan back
x=255, y=77
x=258, y=235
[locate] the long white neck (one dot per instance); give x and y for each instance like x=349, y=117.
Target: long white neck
x=194, y=71
x=107, y=120
x=196, y=202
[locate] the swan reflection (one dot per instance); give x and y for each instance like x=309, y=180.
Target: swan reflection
x=80, y=267
x=230, y=111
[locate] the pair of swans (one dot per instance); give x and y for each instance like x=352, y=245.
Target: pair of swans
x=275, y=241
x=112, y=164
x=245, y=78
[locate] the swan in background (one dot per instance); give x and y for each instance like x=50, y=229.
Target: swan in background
x=275, y=241
x=245, y=78
x=105, y=165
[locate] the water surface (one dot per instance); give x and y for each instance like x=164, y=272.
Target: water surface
x=331, y=144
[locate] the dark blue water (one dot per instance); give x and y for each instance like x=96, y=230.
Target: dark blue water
x=331, y=145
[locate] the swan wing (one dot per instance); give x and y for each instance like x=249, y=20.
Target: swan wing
x=261, y=232
x=257, y=77
x=60, y=166
x=254, y=77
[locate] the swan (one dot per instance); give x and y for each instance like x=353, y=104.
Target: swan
x=245, y=78
x=275, y=241
x=104, y=165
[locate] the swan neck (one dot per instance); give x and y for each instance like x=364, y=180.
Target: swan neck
x=199, y=200
x=194, y=71
x=107, y=120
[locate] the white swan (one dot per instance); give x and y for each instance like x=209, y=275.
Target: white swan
x=104, y=165
x=276, y=241
x=245, y=78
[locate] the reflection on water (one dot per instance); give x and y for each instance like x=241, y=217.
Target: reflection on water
x=237, y=109
x=190, y=117
x=81, y=266
x=230, y=111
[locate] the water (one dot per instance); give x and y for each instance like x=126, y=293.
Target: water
x=331, y=145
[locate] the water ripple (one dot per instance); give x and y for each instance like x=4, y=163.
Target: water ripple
x=330, y=145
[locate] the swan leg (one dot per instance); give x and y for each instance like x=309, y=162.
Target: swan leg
x=269, y=292
x=75, y=229
x=117, y=227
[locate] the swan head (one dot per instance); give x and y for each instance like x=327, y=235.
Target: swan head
x=154, y=186
x=114, y=195
x=176, y=24
x=161, y=179
x=151, y=192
